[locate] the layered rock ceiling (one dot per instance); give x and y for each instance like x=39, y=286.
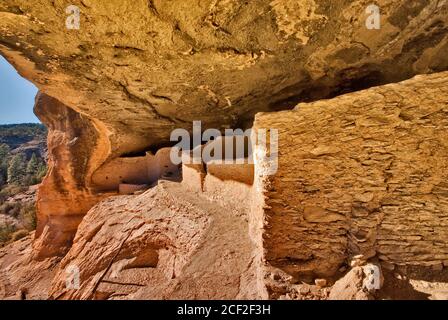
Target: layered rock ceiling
x=140, y=68
x=350, y=169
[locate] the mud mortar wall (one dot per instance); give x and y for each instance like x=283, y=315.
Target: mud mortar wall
x=364, y=173
x=134, y=170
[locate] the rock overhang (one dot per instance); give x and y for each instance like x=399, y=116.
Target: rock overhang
x=136, y=70
x=144, y=68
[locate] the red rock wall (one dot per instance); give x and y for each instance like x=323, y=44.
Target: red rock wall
x=65, y=195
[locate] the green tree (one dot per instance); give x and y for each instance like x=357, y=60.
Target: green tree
x=32, y=166
x=4, y=155
x=17, y=170
x=41, y=171
x=2, y=177
x=4, y=152
x=35, y=170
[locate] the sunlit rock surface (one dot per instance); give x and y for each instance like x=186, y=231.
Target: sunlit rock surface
x=135, y=70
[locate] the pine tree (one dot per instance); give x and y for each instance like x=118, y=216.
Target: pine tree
x=4, y=153
x=32, y=166
x=17, y=170
x=2, y=177
x=41, y=171
x=32, y=171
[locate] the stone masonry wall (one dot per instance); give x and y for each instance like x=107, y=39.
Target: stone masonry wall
x=364, y=173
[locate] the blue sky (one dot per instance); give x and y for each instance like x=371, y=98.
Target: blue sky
x=16, y=96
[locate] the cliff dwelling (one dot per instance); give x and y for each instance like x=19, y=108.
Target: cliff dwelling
x=126, y=174
x=342, y=179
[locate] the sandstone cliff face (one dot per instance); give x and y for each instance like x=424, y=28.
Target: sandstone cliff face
x=359, y=174
x=364, y=173
x=65, y=194
x=144, y=67
x=135, y=70
x=164, y=244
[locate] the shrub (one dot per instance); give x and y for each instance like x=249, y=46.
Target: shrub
x=28, y=217
x=11, y=190
x=20, y=234
x=24, y=212
x=6, y=232
x=11, y=209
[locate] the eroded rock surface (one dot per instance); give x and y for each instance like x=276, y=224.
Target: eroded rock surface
x=359, y=174
x=144, y=67
x=163, y=244
x=22, y=277
x=364, y=185
x=66, y=194
x=136, y=70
